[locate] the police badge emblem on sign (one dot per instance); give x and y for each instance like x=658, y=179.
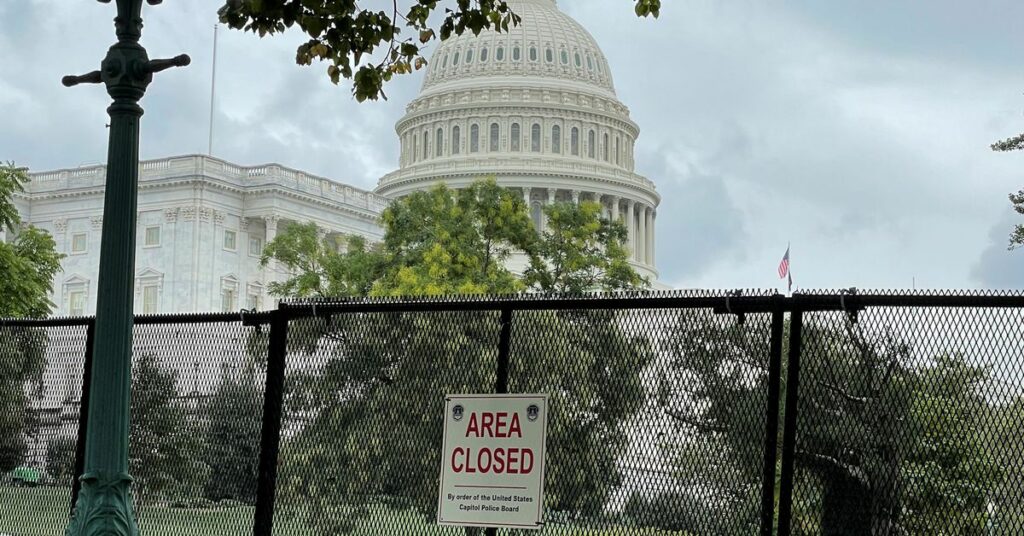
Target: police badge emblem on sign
x=492, y=461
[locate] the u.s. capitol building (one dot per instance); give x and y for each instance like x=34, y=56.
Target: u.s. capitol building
x=534, y=106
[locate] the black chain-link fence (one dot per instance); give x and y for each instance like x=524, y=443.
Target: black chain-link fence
x=681, y=413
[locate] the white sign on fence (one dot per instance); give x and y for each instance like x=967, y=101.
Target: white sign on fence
x=492, y=461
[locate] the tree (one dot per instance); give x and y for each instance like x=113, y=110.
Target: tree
x=368, y=416
x=370, y=47
x=232, y=443
x=28, y=264
x=888, y=443
x=164, y=453
x=1015, y=143
x=60, y=460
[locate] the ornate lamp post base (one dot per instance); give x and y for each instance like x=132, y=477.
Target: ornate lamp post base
x=104, y=506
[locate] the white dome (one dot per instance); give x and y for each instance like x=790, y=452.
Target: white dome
x=535, y=107
x=547, y=46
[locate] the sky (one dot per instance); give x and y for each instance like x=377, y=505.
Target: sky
x=857, y=132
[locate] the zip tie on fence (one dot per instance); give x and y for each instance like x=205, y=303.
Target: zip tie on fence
x=246, y=322
x=852, y=291
x=740, y=317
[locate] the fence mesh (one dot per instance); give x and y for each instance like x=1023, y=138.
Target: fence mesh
x=911, y=421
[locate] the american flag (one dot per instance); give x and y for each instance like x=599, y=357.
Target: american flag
x=784, y=270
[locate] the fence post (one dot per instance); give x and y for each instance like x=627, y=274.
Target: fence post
x=790, y=421
x=501, y=376
x=83, y=415
x=771, y=423
x=270, y=433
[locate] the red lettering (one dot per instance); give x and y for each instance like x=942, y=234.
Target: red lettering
x=523, y=467
x=487, y=423
x=455, y=453
x=512, y=459
x=499, y=424
x=472, y=430
x=499, y=460
x=480, y=459
x=514, y=427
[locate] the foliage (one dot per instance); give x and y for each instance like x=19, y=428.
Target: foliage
x=232, y=443
x=163, y=453
x=371, y=47
x=888, y=444
x=1015, y=143
x=27, y=266
x=321, y=267
x=60, y=460
x=369, y=415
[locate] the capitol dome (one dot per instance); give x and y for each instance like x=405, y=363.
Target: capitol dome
x=534, y=106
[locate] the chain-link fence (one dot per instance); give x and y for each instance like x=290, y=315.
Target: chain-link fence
x=680, y=413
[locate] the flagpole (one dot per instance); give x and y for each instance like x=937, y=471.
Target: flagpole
x=213, y=89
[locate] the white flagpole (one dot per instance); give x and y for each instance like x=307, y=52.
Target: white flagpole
x=213, y=89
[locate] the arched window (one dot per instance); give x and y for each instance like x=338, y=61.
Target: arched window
x=533, y=53
x=590, y=62
x=426, y=142
x=565, y=57
x=499, y=55
x=535, y=215
x=591, y=142
x=556, y=139
x=514, y=137
x=444, y=61
x=535, y=138
x=549, y=55
x=483, y=55
x=439, y=142
x=598, y=66
x=515, y=54
x=495, y=137
x=415, y=146
x=469, y=56
x=455, y=59
x=579, y=63
x=574, y=141
x=456, y=139
x=474, y=138
x=604, y=149
x=616, y=150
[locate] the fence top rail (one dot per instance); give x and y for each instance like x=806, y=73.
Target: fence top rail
x=248, y=318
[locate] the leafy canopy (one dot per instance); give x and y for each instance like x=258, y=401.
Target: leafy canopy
x=1015, y=143
x=446, y=241
x=371, y=46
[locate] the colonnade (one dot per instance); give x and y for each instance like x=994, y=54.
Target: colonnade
x=638, y=217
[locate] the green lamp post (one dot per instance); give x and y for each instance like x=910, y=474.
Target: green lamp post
x=104, y=505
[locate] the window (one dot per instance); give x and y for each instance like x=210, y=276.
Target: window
x=533, y=54
x=150, y=295
x=578, y=62
x=549, y=56
x=456, y=139
x=556, y=139
x=252, y=301
x=426, y=138
x=494, y=137
x=574, y=141
x=76, y=303
x=590, y=63
x=444, y=61
x=152, y=236
x=469, y=56
x=439, y=142
x=474, y=139
x=514, y=137
x=483, y=55
x=535, y=215
x=616, y=150
x=228, y=299
x=255, y=246
x=591, y=141
x=535, y=138
x=598, y=66
x=565, y=58
x=604, y=148
x=415, y=146
x=499, y=54
x=515, y=53
x=79, y=242
x=455, y=59
x=230, y=240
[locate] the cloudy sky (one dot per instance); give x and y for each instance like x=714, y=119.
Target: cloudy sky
x=857, y=131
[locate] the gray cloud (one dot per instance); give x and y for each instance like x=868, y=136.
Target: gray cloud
x=998, y=267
